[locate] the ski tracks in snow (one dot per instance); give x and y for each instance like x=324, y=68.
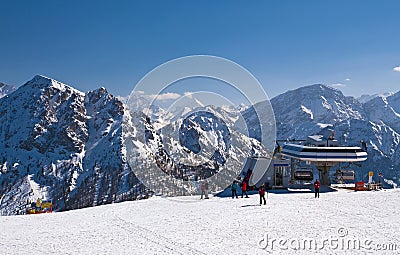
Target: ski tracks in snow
x=149, y=235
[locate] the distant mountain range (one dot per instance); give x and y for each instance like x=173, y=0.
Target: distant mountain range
x=365, y=98
x=59, y=143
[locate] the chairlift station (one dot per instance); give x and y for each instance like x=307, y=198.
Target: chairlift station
x=322, y=151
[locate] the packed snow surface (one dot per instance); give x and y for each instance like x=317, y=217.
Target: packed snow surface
x=220, y=225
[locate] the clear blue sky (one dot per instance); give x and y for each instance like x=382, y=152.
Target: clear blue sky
x=285, y=44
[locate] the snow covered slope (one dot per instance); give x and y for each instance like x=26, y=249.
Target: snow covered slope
x=368, y=221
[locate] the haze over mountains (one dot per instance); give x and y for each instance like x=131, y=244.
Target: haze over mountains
x=68, y=146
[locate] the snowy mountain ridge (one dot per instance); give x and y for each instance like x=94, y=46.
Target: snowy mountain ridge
x=68, y=146
x=62, y=144
x=190, y=145
x=365, y=98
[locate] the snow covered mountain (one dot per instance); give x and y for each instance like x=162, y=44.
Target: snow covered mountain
x=59, y=143
x=189, y=148
x=6, y=89
x=309, y=109
x=62, y=144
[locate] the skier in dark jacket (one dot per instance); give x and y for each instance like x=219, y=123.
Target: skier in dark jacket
x=234, y=189
x=261, y=192
x=317, y=185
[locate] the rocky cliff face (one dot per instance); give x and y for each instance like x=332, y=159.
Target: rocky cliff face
x=67, y=145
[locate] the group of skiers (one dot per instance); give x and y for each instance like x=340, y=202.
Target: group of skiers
x=261, y=190
x=243, y=185
x=235, y=187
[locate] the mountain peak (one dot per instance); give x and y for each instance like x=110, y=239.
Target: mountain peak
x=319, y=87
x=101, y=91
x=40, y=76
x=313, y=92
x=42, y=82
x=315, y=106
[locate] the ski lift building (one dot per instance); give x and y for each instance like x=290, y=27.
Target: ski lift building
x=274, y=173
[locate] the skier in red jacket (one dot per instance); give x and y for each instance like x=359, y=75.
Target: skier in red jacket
x=203, y=190
x=261, y=192
x=244, y=188
x=317, y=185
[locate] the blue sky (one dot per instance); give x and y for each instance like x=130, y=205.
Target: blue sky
x=285, y=44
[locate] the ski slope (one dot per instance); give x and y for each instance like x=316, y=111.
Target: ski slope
x=188, y=225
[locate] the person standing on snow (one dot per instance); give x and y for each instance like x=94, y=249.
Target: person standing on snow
x=317, y=185
x=234, y=189
x=206, y=189
x=38, y=204
x=261, y=192
x=203, y=190
x=244, y=188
